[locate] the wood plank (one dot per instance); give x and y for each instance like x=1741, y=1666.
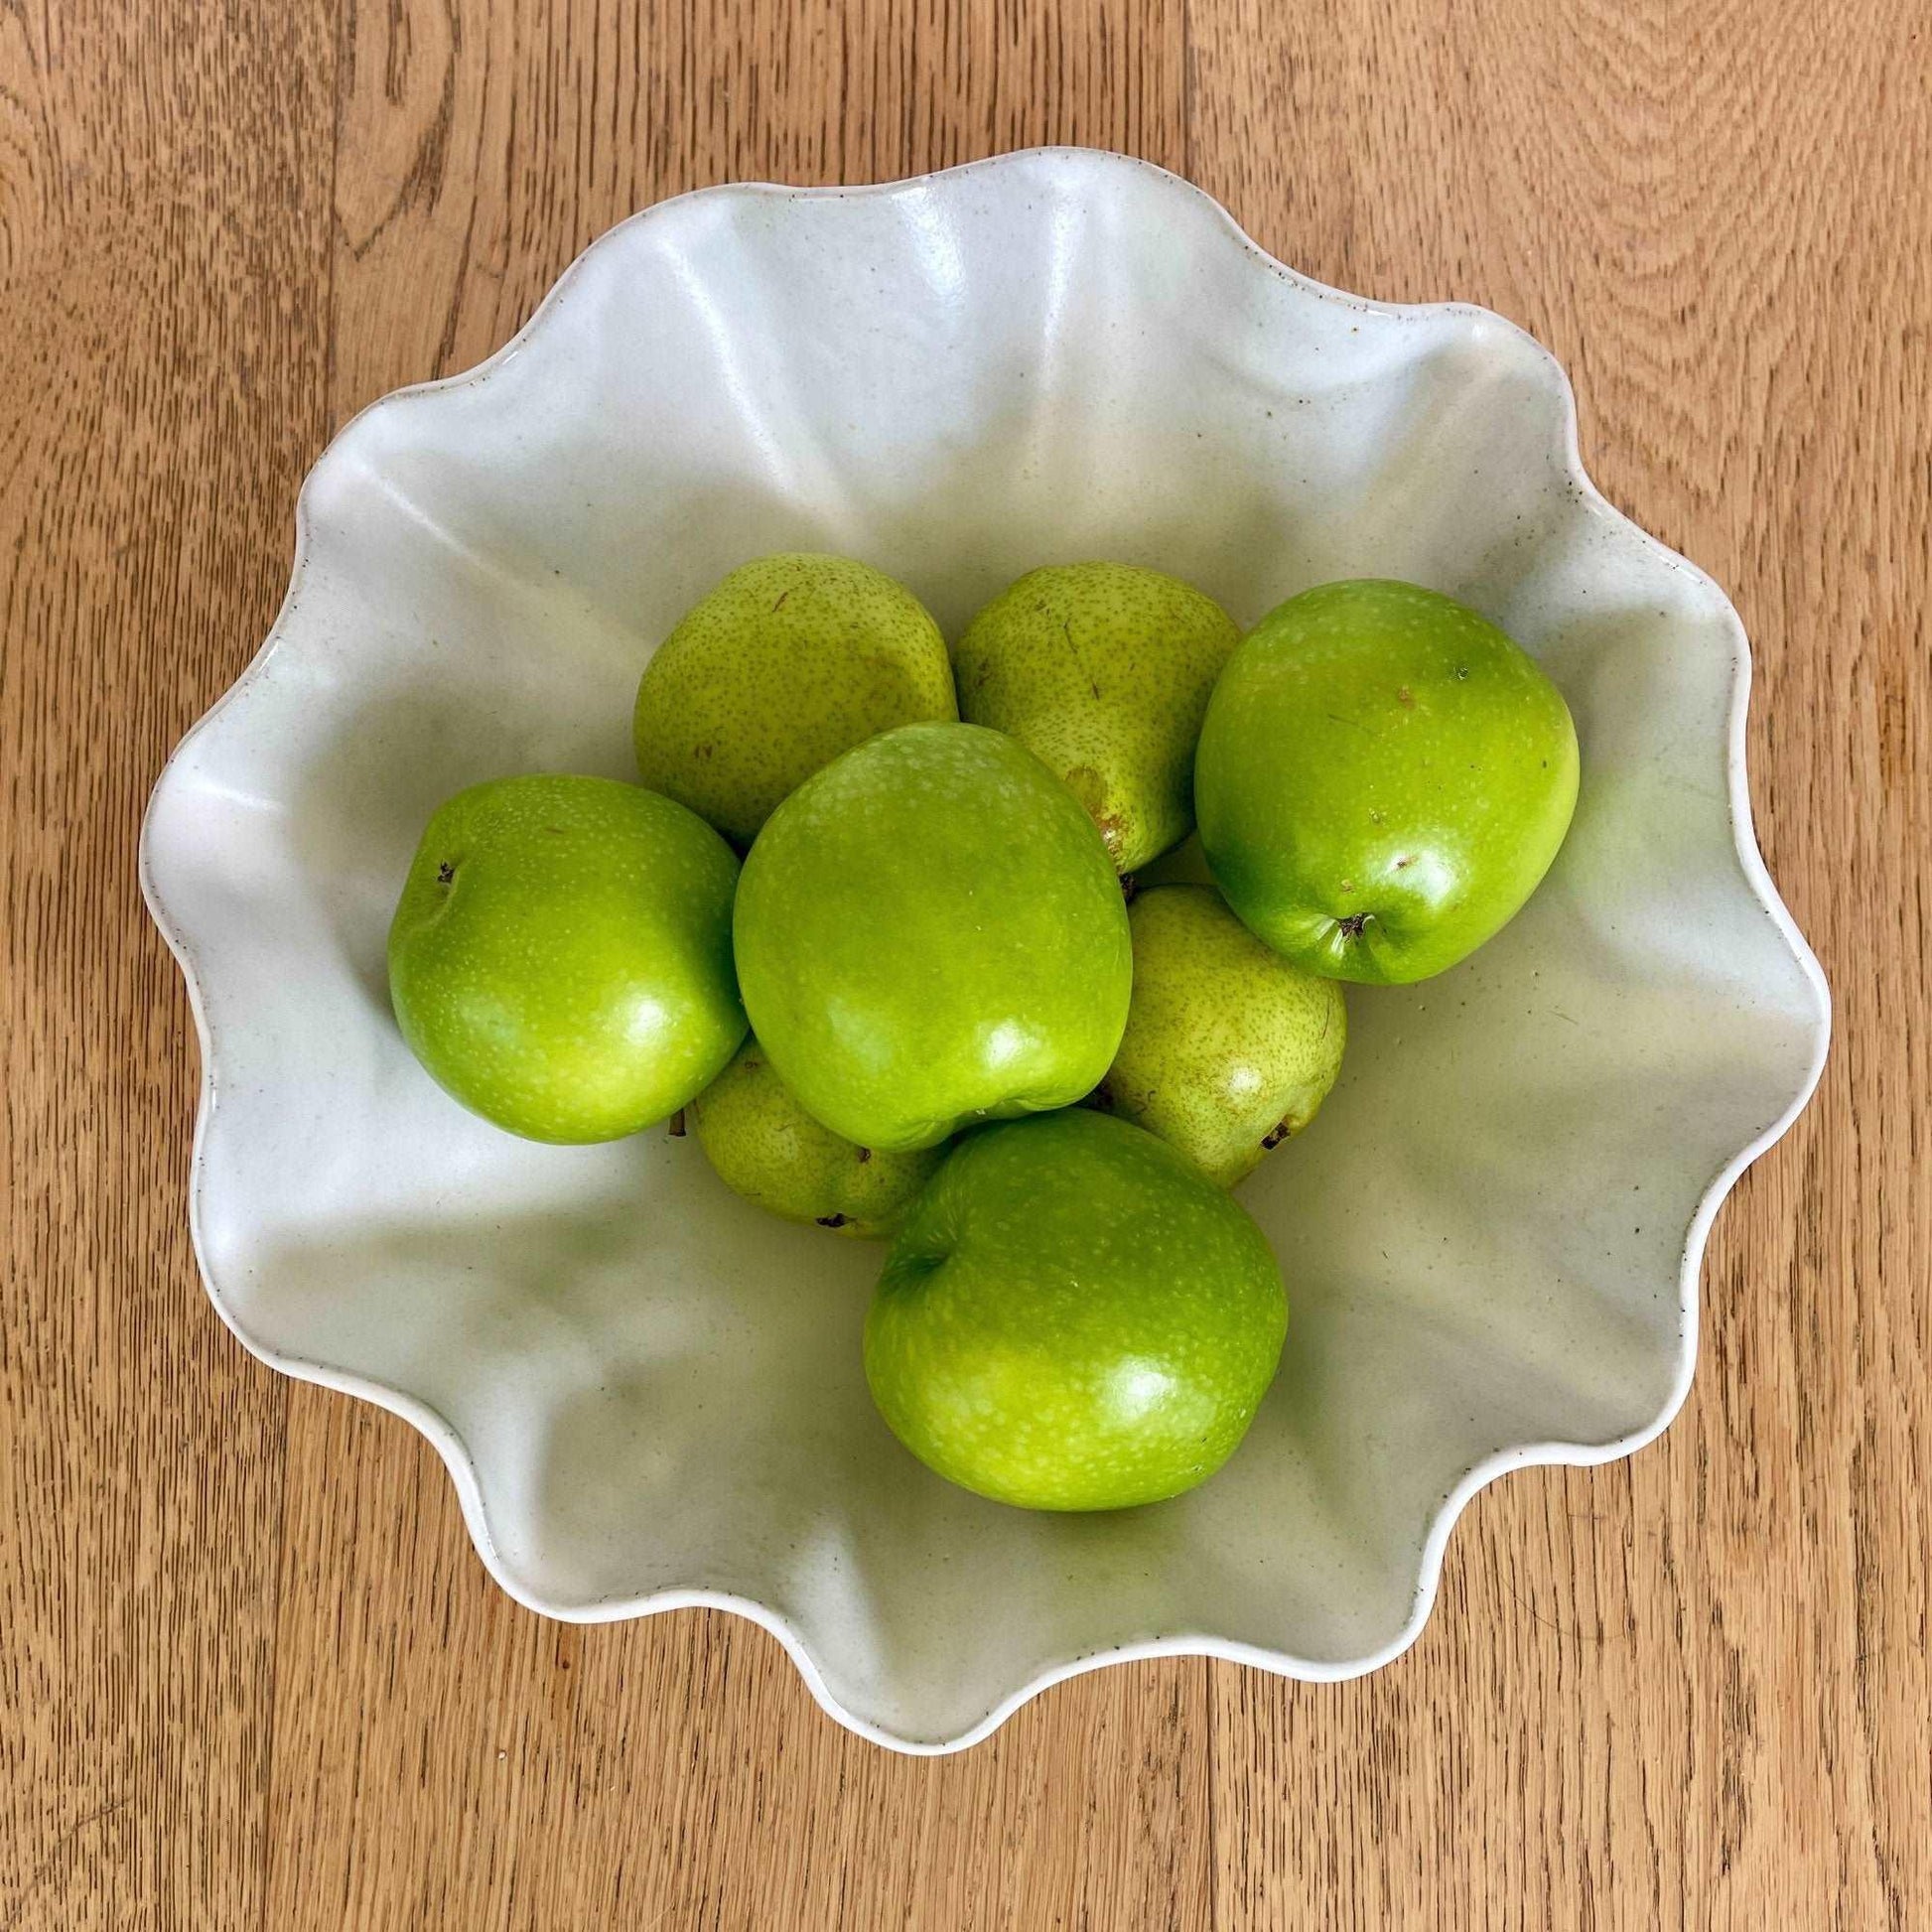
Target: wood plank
x=441, y=1756
x=1691, y=1690
x=487, y=143
x=164, y=228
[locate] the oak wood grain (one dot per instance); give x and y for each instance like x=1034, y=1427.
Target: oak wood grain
x=252, y=1673
x=163, y=259
x=1691, y=1689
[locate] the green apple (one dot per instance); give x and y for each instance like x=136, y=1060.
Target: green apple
x=766, y=1147
x=560, y=960
x=1103, y=670
x=1383, y=778
x=929, y=933
x=1073, y=1319
x=1230, y=1049
x=786, y=663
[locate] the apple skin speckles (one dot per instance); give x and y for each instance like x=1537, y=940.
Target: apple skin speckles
x=1072, y=1318
x=1383, y=692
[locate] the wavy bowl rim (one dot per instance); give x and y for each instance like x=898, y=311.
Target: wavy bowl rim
x=446, y=1440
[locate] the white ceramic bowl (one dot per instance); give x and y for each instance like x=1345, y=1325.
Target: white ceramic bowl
x=649, y=1393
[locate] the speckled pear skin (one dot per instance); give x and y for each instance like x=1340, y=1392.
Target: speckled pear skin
x=1383, y=779
x=1104, y=671
x=1072, y=1318
x=928, y=933
x=791, y=660
x=560, y=959
x=1230, y=1050
x=764, y=1145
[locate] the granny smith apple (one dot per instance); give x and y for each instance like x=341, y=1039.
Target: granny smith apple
x=1383, y=778
x=929, y=933
x=560, y=960
x=1073, y=1319
x=764, y=1145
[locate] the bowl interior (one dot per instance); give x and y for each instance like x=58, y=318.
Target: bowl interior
x=658, y=1389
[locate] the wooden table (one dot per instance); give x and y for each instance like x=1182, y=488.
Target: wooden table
x=252, y=1673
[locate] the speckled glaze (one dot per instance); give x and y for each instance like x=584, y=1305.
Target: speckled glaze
x=650, y=1395
x=560, y=960
x=1103, y=672
x=789, y=661
x=1383, y=779
x=928, y=933
x=1074, y=1319
x=1229, y=1049
x=763, y=1146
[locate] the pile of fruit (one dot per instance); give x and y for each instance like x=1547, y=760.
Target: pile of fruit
x=968, y=1033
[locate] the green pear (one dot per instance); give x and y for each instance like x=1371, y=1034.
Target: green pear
x=1072, y=1318
x=766, y=1147
x=1229, y=1049
x=560, y=960
x=1104, y=671
x=786, y=663
x=928, y=933
x=1383, y=779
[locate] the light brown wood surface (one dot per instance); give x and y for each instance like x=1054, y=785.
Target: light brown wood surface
x=252, y=1674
